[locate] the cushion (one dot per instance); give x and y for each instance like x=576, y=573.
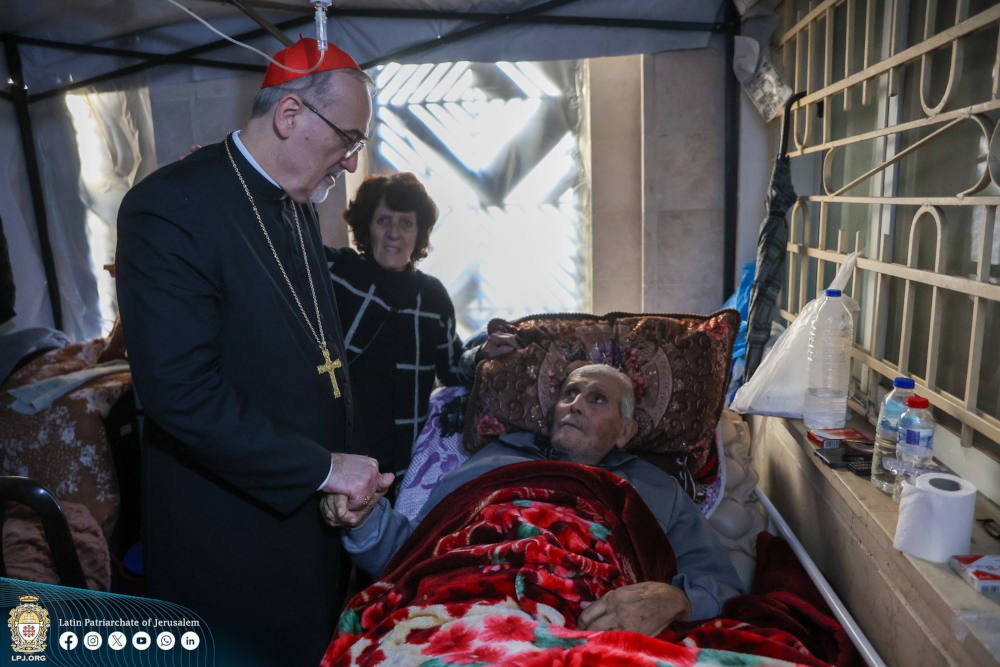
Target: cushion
x=678, y=363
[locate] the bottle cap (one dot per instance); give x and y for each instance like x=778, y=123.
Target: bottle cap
x=903, y=383
x=918, y=402
x=832, y=292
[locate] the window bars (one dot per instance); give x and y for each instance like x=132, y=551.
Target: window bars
x=927, y=75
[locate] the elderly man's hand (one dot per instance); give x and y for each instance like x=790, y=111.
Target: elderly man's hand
x=647, y=607
x=358, y=478
x=336, y=512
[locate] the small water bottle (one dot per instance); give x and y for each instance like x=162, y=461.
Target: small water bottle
x=829, y=363
x=886, y=432
x=915, y=443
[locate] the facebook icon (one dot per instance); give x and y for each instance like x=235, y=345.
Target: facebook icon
x=68, y=640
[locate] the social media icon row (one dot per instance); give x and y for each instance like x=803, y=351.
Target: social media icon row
x=140, y=640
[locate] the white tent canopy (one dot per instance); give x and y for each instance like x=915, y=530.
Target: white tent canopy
x=374, y=31
x=53, y=47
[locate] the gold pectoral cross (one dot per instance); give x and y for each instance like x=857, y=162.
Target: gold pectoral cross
x=329, y=366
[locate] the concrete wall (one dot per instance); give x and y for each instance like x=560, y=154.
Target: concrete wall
x=616, y=183
x=657, y=176
x=683, y=163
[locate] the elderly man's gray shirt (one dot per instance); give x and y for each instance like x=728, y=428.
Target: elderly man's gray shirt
x=704, y=571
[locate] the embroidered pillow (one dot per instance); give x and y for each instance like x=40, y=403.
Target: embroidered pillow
x=678, y=363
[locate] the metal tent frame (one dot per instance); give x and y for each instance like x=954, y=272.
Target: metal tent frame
x=538, y=14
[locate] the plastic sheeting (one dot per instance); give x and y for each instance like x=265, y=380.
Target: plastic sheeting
x=499, y=148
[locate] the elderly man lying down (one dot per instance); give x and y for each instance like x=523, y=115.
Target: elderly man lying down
x=533, y=550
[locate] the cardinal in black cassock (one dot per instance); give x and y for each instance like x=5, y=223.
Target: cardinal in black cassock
x=232, y=332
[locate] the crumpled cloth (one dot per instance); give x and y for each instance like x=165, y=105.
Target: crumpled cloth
x=17, y=345
x=33, y=398
x=27, y=555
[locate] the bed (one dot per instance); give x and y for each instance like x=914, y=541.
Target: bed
x=790, y=613
x=448, y=599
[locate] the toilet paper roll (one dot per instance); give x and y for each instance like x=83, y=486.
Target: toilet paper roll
x=935, y=517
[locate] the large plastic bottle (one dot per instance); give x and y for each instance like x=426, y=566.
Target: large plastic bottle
x=829, y=363
x=886, y=432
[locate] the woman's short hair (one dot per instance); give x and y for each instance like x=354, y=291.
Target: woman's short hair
x=402, y=192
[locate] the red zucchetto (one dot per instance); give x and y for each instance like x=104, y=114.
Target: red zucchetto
x=303, y=55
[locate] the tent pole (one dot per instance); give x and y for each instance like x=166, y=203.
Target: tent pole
x=519, y=18
x=170, y=58
x=499, y=19
x=732, y=122
x=458, y=15
x=167, y=58
x=19, y=96
x=262, y=22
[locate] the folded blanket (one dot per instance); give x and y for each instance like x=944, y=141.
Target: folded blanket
x=33, y=398
x=499, y=571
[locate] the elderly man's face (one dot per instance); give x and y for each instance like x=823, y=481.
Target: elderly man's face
x=587, y=421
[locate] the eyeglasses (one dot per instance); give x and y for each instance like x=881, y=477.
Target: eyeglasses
x=354, y=142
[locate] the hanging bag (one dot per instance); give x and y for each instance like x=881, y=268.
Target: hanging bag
x=778, y=387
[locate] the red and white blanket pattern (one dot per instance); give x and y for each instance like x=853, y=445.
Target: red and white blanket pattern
x=500, y=570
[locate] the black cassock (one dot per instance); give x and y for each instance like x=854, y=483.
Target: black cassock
x=240, y=424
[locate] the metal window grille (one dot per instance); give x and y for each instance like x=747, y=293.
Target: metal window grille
x=897, y=144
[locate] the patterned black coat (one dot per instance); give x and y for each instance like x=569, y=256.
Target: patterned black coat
x=399, y=332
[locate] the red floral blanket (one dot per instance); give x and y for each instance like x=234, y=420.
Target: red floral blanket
x=499, y=572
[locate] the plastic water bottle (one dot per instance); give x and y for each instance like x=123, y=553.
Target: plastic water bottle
x=886, y=432
x=829, y=363
x=915, y=445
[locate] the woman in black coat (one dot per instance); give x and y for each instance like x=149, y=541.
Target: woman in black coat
x=399, y=323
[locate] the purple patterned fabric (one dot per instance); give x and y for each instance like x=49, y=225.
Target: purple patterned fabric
x=434, y=456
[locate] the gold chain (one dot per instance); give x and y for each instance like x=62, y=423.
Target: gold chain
x=319, y=337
